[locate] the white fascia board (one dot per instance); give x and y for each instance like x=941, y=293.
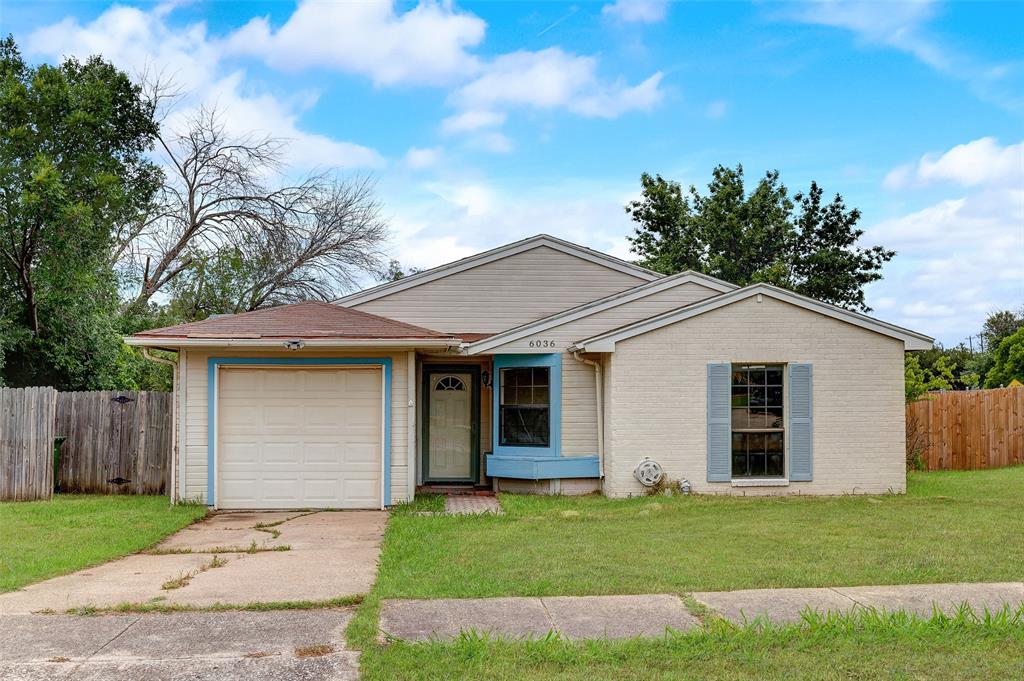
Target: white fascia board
x=606, y=342
x=269, y=343
x=600, y=305
x=490, y=256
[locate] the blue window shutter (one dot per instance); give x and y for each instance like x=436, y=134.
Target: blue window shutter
x=801, y=422
x=719, y=422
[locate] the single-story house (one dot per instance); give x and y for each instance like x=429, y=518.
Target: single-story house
x=540, y=366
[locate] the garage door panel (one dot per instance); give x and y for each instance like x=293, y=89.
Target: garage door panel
x=282, y=381
x=282, y=416
x=324, y=414
x=362, y=383
x=362, y=454
x=286, y=453
x=242, y=383
x=325, y=454
x=356, y=490
x=239, y=489
x=367, y=416
x=299, y=438
x=284, y=488
x=239, y=416
x=239, y=453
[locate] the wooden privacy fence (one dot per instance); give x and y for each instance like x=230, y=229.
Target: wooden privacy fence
x=26, y=443
x=968, y=430
x=116, y=442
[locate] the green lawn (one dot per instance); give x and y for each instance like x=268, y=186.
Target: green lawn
x=872, y=647
x=948, y=527
x=43, y=539
x=963, y=526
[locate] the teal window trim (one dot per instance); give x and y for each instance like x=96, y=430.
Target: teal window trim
x=554, y=362
x=211, y=404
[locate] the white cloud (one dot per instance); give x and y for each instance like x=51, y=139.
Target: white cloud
x=717, y=109
x=494, y=142
x=419, y=158
x=482, y=215
x=472, y=120
x=981, y=162
x=266, y=115
x=637, y=11
x=922, y=309
x=959, y=258
x=553, y=78
x=135, y=40
x=902, y=26
x=139, y=41
x=426, y=44
x=879, y=21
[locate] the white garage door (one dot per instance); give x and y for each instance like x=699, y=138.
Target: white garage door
x=299, y=438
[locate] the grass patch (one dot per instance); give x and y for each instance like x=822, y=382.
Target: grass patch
x=164, y=608
x=177, y=582
x=423, y=503
x=867, y=645
x=186, y=577
x=43, y=539
x=185, y=550
x=949, y=527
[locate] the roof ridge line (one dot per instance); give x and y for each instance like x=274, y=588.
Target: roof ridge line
x=462, y=264
x=553, y=318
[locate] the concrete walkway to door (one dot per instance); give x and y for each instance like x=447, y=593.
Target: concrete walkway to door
x=230, y=559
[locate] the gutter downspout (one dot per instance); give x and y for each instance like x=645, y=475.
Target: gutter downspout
x=174, y=416
x=577, y=355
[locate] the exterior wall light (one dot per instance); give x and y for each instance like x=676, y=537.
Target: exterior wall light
x=294, y=344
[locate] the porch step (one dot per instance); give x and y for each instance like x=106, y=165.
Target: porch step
x=471, y=504
x=455, y=490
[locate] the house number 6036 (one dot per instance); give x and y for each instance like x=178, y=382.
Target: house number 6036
x=542, y=344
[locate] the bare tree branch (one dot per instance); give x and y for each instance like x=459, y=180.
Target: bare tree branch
x=301, y=240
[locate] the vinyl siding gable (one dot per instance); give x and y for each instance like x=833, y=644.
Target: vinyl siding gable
x=504, y=293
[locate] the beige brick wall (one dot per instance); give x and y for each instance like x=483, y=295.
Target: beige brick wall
x=657, y=397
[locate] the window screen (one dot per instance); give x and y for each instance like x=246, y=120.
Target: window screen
x=525, y=407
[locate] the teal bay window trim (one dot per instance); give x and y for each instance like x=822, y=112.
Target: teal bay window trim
x=552, y=362
x=535, y=463
x=211, y=404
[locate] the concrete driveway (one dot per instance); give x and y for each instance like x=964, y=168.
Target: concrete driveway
x=291, y=645
x=229, y=559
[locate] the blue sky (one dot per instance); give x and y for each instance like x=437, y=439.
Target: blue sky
x=487, y=122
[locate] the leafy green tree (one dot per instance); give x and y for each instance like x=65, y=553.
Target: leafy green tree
x=959, y=360
x=73, y=172
x=394, y=272
x=998, y=325
x=918, y=380
x=216, y=283
x=1001, y=324
x=763, y=235
x=1008, y=361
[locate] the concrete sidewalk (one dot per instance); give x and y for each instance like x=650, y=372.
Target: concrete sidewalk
x=282, y=645
x=787, y=605
x=575, y=617
x=592, y=617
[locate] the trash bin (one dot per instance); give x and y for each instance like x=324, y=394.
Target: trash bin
x=57, y=442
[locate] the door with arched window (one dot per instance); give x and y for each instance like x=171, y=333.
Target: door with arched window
x=450, y=430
